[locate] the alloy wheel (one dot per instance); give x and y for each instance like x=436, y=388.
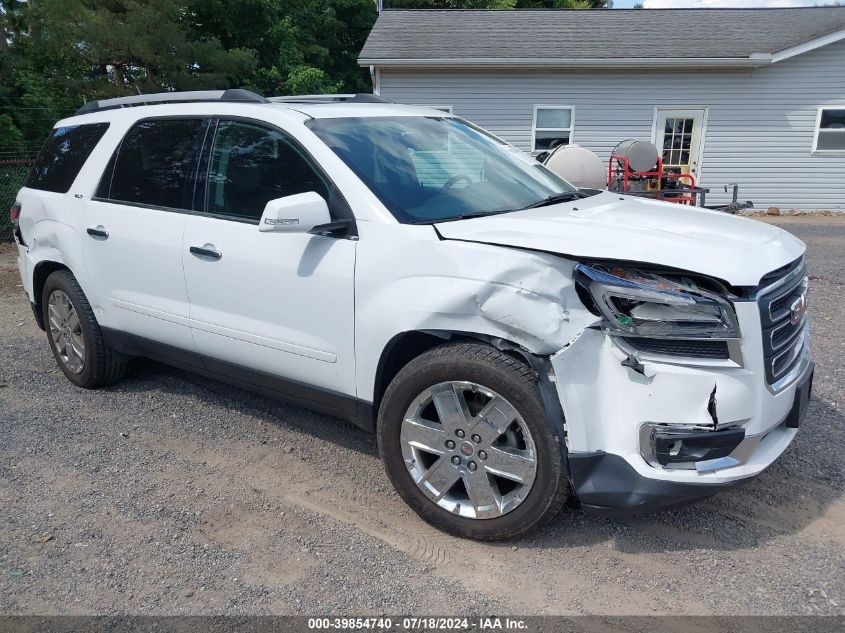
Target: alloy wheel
x=66, y=332
x=469, y=450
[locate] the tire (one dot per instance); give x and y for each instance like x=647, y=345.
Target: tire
x=476, y=371
x=94, y=364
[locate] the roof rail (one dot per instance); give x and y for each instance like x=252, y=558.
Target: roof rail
x=361, y=97
x=237, y=95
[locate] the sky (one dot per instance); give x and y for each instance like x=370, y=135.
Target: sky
x=701, y=4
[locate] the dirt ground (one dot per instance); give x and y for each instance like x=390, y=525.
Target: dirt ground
x=170, y=494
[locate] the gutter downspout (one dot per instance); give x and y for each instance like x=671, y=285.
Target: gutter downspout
x=375, y=77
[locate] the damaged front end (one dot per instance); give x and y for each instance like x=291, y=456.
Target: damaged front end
x=665, y=400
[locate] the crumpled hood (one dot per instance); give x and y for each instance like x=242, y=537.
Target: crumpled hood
x=610, y=226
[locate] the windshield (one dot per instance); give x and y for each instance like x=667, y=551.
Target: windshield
x=427, y=169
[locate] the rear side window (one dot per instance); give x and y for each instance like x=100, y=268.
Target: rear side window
x=153, y=163
x=63, y=155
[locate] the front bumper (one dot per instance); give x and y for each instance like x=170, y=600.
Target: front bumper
x=607, y=484
x=610, y=410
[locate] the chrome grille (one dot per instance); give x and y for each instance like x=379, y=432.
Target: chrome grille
x=783, y=317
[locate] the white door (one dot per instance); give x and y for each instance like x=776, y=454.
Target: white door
x=679, y=138
x=134, y=230
x=279, y=303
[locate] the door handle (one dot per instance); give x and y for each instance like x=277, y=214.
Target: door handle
x=208, y=251
x=99, y=232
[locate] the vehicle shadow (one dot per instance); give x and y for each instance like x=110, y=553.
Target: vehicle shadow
x=279, y=413
x=793, y=493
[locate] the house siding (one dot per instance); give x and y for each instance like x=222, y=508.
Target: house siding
x=759, y=130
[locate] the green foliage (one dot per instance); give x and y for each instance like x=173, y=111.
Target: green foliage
x=14, y=144
x=289, y=36
x=60, y=53
x=123, y=46
x=304, y=80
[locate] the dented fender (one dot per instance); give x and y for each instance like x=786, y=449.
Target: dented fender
x=427, y=284
x=48, y=240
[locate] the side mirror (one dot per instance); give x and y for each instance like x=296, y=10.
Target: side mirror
x=295, y=214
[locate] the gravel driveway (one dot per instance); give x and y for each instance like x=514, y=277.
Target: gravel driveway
x=170, y=494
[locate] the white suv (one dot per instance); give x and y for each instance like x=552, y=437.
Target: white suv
x=512, y=340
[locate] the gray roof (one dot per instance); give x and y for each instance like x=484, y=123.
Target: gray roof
x=510, y=36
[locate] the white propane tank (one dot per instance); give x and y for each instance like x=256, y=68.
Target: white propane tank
x=579, y=166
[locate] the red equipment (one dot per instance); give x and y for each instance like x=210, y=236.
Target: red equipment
x=658, y=183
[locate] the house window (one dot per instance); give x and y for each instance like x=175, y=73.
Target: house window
x=830, y=130
x=552, y=127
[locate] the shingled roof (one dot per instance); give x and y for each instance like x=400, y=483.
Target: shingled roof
x=597, y=37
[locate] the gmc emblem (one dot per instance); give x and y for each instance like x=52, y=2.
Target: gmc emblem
x=798, y=308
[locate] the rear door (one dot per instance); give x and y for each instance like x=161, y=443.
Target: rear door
x=277, y=303
x=135, y=226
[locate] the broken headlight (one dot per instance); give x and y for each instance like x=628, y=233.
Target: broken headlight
x=640, y=303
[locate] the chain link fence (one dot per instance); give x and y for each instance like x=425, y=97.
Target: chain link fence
x=13, y=172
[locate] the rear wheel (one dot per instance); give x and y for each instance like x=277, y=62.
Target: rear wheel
x=75, y=336
x=467, y=443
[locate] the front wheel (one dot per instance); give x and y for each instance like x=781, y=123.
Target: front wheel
x=468, y=445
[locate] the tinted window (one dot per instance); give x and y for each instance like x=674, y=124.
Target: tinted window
x=63, y=155
x=153, y=163
x=251, y=165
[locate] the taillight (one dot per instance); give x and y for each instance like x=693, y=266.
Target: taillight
x=15, y=212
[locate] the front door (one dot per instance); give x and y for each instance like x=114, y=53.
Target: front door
x=679, y=138
x=281, y=304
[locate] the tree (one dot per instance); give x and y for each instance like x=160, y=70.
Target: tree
x=14, y=143
x=29, y=102
x=124, y=46
x=298, y=43
x=61, y=53
x=304, y=80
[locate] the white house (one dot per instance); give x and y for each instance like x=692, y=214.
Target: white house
x=748, y=96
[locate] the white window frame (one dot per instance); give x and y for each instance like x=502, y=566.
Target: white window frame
x=655, y=132
x=535, y=129
x=816, y=149
x=444, y=108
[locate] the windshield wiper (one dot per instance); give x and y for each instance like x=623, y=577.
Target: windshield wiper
x=463, y=216
x=565, y=196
